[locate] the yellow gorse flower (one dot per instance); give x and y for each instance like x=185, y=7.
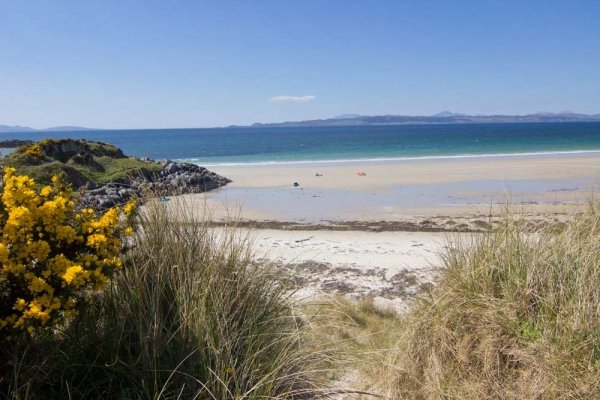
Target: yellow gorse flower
x=34, y=150
x=50, y=253
x=130, y=207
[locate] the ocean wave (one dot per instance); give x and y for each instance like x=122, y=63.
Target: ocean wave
x=200, y=161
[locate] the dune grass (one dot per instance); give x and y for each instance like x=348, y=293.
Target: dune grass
x=516, y=315
x=360, y=334
x=190, y=316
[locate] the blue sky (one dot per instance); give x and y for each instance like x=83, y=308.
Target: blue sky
x=151, y=64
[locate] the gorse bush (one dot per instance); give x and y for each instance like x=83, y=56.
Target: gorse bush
x=34, y=151
x=51, y=254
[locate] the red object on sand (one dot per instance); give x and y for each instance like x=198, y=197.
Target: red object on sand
x=361, y=174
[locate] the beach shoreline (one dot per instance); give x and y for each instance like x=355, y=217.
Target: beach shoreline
x=428, y=195
x=387, y=160
x=382, y=234
x=390, y=267
x=416, y=171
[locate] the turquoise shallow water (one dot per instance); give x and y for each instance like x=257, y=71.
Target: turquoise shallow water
x=291, y=145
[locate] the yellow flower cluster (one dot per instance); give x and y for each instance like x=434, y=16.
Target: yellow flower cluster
x=51, y=255
x=34, y=150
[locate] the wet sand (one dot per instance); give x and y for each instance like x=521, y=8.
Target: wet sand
x=399, y=191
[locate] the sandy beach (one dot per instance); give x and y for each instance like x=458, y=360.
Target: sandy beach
x=380, y=175
x=380, y=234
x=453, y=191
x=391, y=267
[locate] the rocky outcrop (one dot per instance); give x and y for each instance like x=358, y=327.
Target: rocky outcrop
x=173, y=179
x=14, y=143
x=107, y=177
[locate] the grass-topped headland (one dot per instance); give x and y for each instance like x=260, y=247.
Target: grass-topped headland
x=80, y=161
x=108, y=175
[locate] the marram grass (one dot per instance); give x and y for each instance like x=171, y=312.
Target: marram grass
x=189, y=317
x=515, y=315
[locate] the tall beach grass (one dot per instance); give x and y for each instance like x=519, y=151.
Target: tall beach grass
x=516, y=315
x=190, y=316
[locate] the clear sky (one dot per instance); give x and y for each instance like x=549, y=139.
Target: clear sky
x=157, y=64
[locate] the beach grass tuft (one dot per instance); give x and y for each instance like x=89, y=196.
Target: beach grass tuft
x=515, y=315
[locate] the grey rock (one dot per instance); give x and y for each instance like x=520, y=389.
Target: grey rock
x=173, y=179
x=105, y=202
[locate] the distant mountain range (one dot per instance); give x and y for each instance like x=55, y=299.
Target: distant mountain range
x=17, y=128
x=444, y=117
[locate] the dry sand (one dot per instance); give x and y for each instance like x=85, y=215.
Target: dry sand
x=389, y=266
x=383, y=175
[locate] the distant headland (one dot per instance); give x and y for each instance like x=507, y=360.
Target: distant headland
x=17, y=128
x=444, y=117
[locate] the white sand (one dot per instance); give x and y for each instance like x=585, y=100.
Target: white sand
x=390, y=266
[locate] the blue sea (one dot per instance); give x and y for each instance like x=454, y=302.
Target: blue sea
x=241, y=146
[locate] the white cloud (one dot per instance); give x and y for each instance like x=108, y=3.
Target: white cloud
x=292, y=99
